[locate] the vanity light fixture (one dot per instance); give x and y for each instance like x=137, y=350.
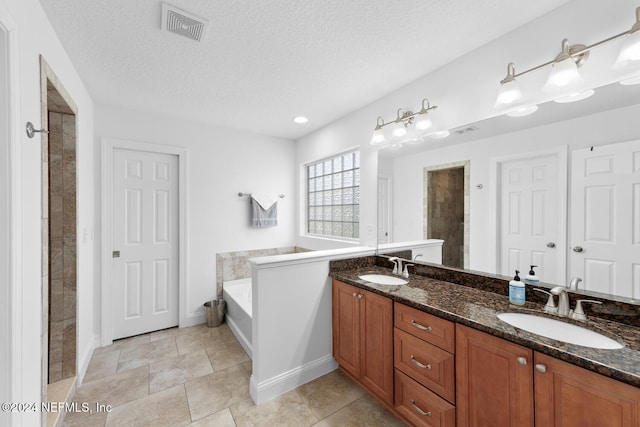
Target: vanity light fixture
x=509, y=91
x=630, y=50
x=403, y=120
x=564, y=67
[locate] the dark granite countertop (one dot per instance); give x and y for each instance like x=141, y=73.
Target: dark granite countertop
x=479, y=308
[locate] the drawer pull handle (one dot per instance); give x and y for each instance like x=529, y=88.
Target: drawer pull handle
x=418, y=410
x=422, y=328
x=419, y=365
x=522, y=361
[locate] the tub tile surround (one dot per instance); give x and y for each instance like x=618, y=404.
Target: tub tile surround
x=475, y=299
x=208, y=386
x=235, y=265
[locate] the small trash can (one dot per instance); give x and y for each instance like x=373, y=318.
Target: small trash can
x=214, y=312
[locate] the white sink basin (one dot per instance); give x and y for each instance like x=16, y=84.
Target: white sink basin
x=558, y=330
x=383, y=279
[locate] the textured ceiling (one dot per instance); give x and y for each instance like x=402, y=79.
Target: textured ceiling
x=263, y=62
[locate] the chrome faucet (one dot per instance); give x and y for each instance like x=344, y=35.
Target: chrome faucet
x=563, y=300
x=405, y=273
x=397, y=269
x=573, y=285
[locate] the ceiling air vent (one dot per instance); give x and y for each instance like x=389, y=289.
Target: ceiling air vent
x=184, y=23
x=465, y=129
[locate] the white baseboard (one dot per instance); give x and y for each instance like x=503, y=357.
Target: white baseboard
x=192, y=319
x=274, y=387
x=242, y=339
x=85, y=358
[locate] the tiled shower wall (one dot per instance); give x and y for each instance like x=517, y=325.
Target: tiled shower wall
x=62, y=246
x=446, y=206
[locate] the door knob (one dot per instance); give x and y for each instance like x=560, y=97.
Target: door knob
x=577, y=249
x=551, y=245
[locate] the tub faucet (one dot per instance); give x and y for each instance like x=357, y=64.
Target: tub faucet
x=417, y=256
x=563, y=300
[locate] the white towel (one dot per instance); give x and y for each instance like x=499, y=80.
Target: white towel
x=265, y=200
x=263, y=217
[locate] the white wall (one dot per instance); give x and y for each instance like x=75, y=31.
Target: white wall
x=5, y=228
x=35, y=37
x=221, y=163
x=598, y=129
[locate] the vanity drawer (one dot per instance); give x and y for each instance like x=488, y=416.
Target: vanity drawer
x=429, y=365
x=420, y=406
x=425, y=326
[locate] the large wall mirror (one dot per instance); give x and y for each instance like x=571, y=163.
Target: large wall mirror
x=559, y=189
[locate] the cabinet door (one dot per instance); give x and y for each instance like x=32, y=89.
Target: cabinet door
x=377, y=344
x=346, y=327
x=570, y=396
x=494, y=382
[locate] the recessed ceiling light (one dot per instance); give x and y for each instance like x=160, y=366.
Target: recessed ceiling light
x=631, y=81
x=440, y=134
x=575, y=96
x=522, y=111
x=300, y=119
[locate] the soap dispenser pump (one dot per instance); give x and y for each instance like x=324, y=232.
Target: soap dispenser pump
x=531, y=277
x=517, y=290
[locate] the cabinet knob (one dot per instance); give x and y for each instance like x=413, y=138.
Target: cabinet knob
x=577, y=249
x=418, y=410
x=360, y=296
x=419, y=326
x=522, y=361
x=541, y=368
x=354, y=294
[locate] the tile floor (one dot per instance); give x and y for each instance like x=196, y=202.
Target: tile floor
x=199, y=376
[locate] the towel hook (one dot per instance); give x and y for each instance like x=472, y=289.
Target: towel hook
x=31, y=130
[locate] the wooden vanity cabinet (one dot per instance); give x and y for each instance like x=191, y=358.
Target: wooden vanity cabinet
x=424, y=362
x=494, y=381
x=499, y=383
x=569, y=396
x=363, y=337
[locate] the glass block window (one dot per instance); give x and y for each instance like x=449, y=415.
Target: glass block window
x=333, y=196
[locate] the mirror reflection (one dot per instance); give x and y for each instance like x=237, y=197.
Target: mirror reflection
x=559, y=189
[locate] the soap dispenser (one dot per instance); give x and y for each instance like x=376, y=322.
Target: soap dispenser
x=517, y=291
x=531, y=278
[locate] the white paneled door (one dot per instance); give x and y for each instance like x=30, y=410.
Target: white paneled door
x=529, y=209
x=145, y=242
x=605, y=218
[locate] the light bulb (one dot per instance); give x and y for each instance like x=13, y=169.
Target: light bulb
x=563, y=73
x=630, y=50
x=399, y=130
x=423, y=121
x=377, y=137
x=508, y=93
